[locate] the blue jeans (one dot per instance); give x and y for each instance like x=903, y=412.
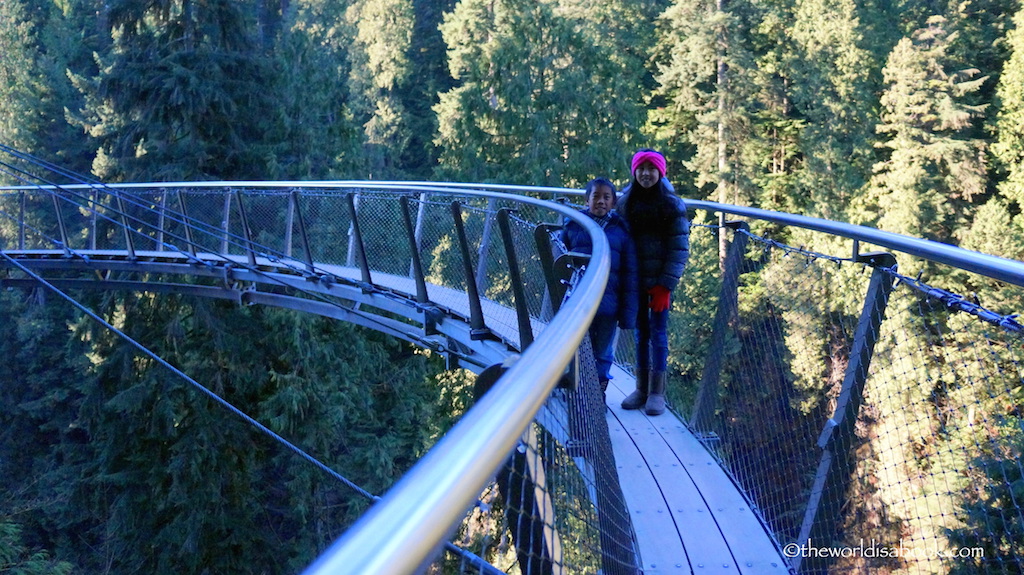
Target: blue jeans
x=652, y=340
x=602, y=339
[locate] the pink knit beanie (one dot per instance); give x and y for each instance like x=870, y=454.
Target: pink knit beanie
x=648, y=156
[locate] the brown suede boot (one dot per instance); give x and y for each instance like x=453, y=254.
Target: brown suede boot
x=638, y=398
x=656, y=398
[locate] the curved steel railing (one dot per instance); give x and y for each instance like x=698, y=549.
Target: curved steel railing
x=419, y=513
x=987, y=265
x=404, y=531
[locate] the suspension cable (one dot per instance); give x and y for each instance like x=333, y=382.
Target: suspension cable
x=195, y=384
x=91, y=205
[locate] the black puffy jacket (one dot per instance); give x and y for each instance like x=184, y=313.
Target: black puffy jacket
x=661, y=232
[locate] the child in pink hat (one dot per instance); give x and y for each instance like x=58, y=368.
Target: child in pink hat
x=661, y=232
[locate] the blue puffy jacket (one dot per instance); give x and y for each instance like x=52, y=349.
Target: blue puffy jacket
x=621, y=296
x=661, y=232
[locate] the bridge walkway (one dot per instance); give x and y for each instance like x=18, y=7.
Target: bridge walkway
x=688, y=514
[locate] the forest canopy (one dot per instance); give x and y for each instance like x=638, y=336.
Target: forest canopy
x=899, y=115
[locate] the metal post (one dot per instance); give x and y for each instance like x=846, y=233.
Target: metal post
x=516, y=278
x=93, y=218
x=225, y=222
x=418, y=230
x=414, y=249
x=129, y=241
x=289, y=223
x=706, y=402
x=421, y=212
x=542, y=236
x=478, y=328
x=485, y=247
x=250, y=246
x=60, y=223
x=824, y=507
x=352, y=233
x=161, y=218
x=22, y=198
x=356, y=242
x=302, y=231
x=191, y=244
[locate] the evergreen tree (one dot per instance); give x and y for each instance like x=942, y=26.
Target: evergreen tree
x=16, y=559
x=39, y=43
x=38, y=389
x=1008, y=148
x=991, y=510
x=705, y=80
x=932, y=172
x=318, y=138
x=427, y=58
x=831, y=89
x=516, y=114
x=723, y=76
x=118, y=465
x=981, y=42
x=182, y=93
x=19, y=91
x=381, y=68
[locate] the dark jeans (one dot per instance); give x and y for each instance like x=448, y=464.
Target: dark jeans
x=652, y=340
x=602, y=339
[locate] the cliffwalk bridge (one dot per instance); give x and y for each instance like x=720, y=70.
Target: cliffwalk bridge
x=813, y=385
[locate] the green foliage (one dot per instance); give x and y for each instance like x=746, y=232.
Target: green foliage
x=832, y=74
x=18, y=88
x=317, y=137
x=124, y=467
x=163, y=110
x=1008, y=149
x=694, y=305
x=382, y=39
x=514, y=114
x=998, y=231
x=39, y=41
x=991, y=514
x=932, y=171
x=16, y=559
x=707, y=80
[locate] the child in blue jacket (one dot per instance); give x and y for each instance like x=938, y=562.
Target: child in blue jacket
x=620, y=302
x=661, y=232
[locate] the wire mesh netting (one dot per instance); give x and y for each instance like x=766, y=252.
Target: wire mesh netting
x=910, y=465
x=873, y=419
x=556, y=503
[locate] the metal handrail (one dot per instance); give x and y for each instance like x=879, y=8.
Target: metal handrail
x=995, y=267
x=404, y=531
x=1010, y=271
x=459, y=187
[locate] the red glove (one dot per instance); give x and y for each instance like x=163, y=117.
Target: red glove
x=659, y=298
